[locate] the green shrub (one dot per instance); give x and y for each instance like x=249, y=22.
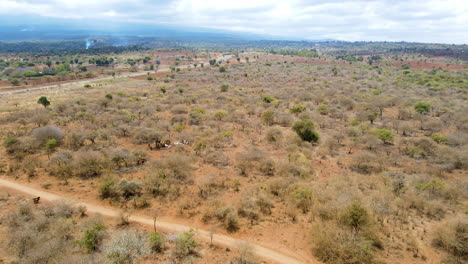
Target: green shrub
x=355, y=216
x=422, y=107
x=297, y=109
x=156, y=242
x=305, y=130
x=186, y=244
x=10, y=141
x=220, y=114
x=268, y=98
x=91, y=238
x=224, y=87
x=50, y=145
x=43, y=101
x=268, y=117
x=439, y=138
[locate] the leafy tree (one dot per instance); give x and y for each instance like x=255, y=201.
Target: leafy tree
x=371, y=116
x=422, y=107
x=306, y=130
x=222, y=69
x=383, y=134
x=50, y=146
x=109, y=96
x=43, y=101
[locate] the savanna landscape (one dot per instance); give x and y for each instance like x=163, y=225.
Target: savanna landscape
x=233, y=132
x=337, y=159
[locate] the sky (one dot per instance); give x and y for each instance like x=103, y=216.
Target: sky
x=432, y=21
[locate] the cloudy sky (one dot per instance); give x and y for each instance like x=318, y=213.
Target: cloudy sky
x=390, y=20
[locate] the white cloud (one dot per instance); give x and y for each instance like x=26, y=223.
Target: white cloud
x=411, y=20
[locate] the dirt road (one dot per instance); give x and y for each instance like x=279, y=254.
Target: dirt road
x=270, y=255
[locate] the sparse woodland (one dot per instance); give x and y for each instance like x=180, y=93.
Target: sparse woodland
x=337, y=161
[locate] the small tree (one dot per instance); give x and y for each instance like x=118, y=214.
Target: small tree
x=268, y=117
x=222, y=69
x=383, y=134
x=305, y=130
x=43, y=101
x=50, y=146
x=422, y=107
x=355, y=216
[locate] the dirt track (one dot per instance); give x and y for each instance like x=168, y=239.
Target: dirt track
x=99, y=79
x=270, y=255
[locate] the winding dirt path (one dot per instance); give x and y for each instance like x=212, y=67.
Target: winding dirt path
x=271, y=255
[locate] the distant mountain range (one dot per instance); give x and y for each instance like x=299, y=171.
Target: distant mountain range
x=28, y=29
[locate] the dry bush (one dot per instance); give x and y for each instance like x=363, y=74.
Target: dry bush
x=274, y=135
x=366, y=163
x=19, y=148
x=297, y=165
x=42, y=134
x=255, y=160
x=60, y=165
x=167, y=174
x=40, y=118
x=246, y=255
x=31, y=165
x=216, y=158
x=42, y=236
x=74, y=141
x=127, y=246
x=89, y=164
x=452, y=237
x=335, y=245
